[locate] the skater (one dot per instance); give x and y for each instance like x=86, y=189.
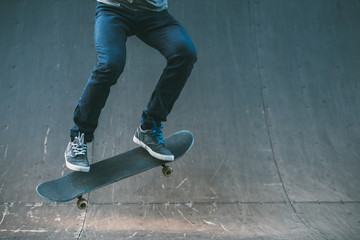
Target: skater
x=115, y=21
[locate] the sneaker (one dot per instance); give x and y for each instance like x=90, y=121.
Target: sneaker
x=152, y=140
x=76, y=155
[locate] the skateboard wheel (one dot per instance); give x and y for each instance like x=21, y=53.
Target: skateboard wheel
x=167, y=171
x=82, y=203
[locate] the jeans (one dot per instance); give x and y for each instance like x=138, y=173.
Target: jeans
x=157, y=29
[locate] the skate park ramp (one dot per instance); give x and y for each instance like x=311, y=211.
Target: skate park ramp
x=273, y=102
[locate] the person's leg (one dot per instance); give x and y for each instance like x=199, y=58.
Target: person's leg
x=162, y=32
x=111, y=31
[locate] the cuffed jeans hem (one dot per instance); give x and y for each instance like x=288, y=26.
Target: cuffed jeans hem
x=74, y=132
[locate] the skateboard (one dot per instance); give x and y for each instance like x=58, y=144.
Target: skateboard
x=113, y=169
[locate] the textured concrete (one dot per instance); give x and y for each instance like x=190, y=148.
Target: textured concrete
x=273, y=103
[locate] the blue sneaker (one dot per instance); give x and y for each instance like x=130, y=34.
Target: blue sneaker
x=76, y=155
x=152, y=140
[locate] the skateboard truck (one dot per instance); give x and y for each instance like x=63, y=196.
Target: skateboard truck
x=166, y=170
x=82, y=203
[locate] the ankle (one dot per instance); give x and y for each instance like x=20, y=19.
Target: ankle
x=146, y=127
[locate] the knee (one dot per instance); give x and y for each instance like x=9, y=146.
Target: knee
x=185, y=53
x=190, y=53
x=112, y=66
x=109, y=68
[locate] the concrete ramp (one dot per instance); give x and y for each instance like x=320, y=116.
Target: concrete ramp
x=273, y=103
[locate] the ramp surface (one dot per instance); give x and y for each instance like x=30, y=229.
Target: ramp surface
x=273, y=103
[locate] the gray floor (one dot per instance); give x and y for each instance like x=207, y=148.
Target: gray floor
x=273, y=102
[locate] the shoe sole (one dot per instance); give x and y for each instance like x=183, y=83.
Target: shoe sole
x=76, y=167
x=152, y=153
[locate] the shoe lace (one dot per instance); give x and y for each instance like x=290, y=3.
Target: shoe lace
x=157, y=133
x=78, y=145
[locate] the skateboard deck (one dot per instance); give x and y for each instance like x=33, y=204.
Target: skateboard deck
x=113, y=169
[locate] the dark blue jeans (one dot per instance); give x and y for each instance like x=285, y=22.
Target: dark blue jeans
x=157, y=29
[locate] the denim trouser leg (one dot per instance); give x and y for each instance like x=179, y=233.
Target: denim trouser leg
x=159, y=30
x=110, y=34
x=174, y=43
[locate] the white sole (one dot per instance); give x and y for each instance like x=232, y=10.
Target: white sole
x=76, y=167
x=151, y=152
